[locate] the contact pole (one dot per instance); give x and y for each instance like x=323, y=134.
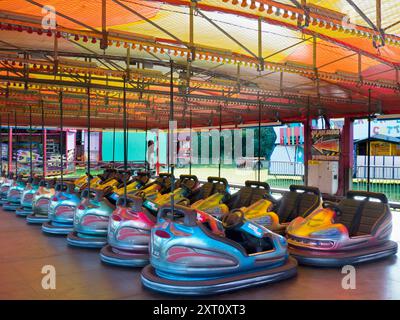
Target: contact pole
x=30, y=142
x=113, y=152
x=369, y=141
x=88, y=136
x=44, y=145
x=191, y=150
x=16, y=155
x=125, y=139
x=61, y=136
x=171, y=138
x=1, y=144
x=220, y=141
x=9, y=153
x=259, y=140
x=146, y=161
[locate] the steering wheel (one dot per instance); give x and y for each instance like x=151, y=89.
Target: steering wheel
x=184, y=202
x=141, y=194
x=331, y=205
x=233, y=219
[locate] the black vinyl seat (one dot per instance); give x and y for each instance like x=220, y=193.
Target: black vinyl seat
x=298, y=204
x=249, y=194
x=362, y=216
x=212, y=186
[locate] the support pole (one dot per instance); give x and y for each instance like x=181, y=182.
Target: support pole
x=260, y=57
x=191, y=30
x=104, y=40
x=346, y=159
x=379, y=14
x=315, y=57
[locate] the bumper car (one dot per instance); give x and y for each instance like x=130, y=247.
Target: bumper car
x=130, y=225
x=41, y=201
x=299, y=201
x=355, y=230
x=25, y=207
x=5, y=186
x=137, y=182
x=91, y=220
x=14, y=194
x=61, y=210
x=188, y=258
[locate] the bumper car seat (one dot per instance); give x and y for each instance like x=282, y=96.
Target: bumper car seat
x=61, y=210
x=299, y=201
x=91, y=220
x=187, y=258
x=211, y=197
x=137, y=182
x=153, y=189
x=355, y=230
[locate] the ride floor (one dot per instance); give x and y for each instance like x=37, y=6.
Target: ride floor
x=24, y=250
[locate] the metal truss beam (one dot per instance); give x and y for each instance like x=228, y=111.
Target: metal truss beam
x=226, y=33
x=150, y=22
x=369, y=22
x=287, y=48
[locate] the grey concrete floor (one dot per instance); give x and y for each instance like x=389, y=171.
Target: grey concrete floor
x=24, y=250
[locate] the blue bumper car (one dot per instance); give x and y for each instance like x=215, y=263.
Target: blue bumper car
x=61, y=210
x=188, y=258
x=14, y=194
x=91, y=220
x=27, y=197
x=41, y=201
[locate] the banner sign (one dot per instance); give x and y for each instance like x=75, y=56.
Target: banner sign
x=325, y=145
